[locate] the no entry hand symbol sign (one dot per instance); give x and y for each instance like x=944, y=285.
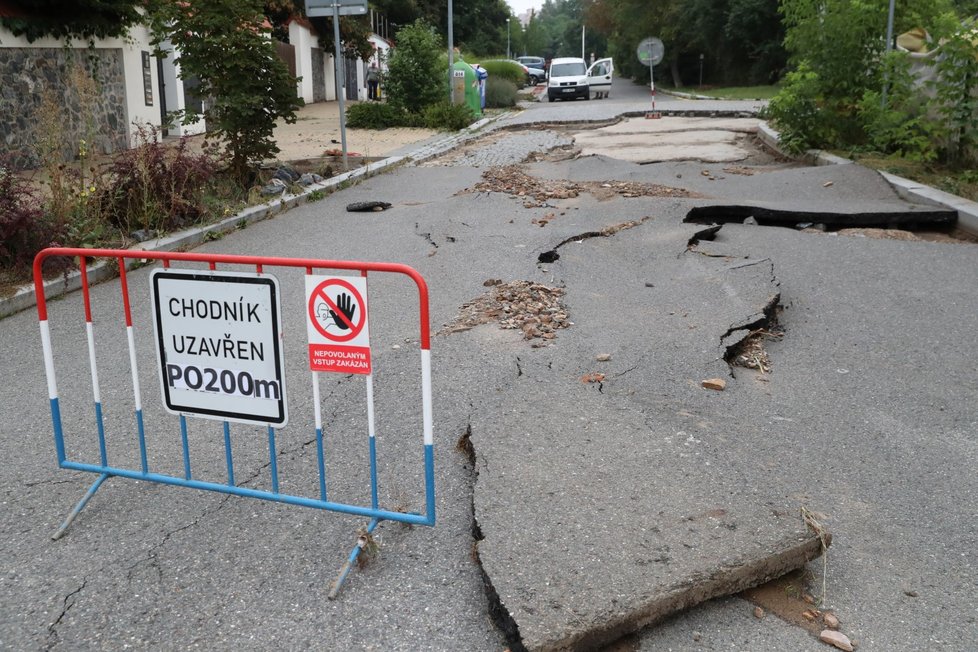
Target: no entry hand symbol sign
x=339, y=338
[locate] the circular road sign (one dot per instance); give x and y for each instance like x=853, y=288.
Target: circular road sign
x=650, y=51
x=331, y=303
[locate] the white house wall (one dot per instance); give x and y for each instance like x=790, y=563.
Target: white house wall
x=174, y=93
x=303, y=40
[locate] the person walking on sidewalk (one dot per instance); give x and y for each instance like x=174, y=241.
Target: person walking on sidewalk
x=373, y=82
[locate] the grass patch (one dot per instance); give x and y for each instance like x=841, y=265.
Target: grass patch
x=963, y=183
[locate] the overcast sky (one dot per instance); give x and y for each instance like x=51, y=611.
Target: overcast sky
x=519, y=6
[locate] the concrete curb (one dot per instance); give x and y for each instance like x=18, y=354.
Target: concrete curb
x=905, y=188
x=103, y=270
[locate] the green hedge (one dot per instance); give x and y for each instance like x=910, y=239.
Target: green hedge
x=500, y=93
x=378, y=115
x=506, y=70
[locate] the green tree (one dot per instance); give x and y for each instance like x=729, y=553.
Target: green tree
x=415, y=77
x=86, y=19
x=225, y=44
x=740, y=40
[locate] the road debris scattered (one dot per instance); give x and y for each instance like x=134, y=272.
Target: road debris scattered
x=875, y=234
x=837, y=639
x=719, y=384
x=513, y=180
x=758, y=613
x=367, y=206
x=603, y=357
x=741, y=170
x=543, y=221
x=831, y=620
x=533, y=308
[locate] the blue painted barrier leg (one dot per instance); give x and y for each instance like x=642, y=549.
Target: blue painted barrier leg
x=79, y=507
x=352, y=559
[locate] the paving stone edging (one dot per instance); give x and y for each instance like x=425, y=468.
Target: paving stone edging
x=103, y=270
x=905, y=188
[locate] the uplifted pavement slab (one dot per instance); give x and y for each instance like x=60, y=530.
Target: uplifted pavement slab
x=849, y=195
x=669, y=139
x=598, y=516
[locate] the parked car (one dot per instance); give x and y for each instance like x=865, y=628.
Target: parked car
x=537, y=75
x=568, y=79
x=533, y=62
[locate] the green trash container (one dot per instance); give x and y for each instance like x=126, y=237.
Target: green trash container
x=465, y=82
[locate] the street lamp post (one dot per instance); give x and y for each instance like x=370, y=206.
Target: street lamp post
x=889, y=46
x=508, y=56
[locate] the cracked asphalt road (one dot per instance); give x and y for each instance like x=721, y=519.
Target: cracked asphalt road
x=588, y=497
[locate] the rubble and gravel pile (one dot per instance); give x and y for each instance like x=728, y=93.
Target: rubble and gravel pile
x=533, y=308
x=750, y=353
x=513, y=180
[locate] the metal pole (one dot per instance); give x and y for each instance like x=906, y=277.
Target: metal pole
x=451, y=54
x=340, y=81
x=582, y=41
x=889, y=46
x=508, y=56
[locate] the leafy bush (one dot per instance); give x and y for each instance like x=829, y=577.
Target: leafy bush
x=513, y=72
x=845, y=93
x=376, y=115
x=25, y=229
x=500, y=93
x=154, y=187
x=414, y=77
x=795, y=111
x=957, y=92
x=444, y=115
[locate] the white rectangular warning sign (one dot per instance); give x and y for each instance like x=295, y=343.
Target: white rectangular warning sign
x=336, y=320
x=219, y=345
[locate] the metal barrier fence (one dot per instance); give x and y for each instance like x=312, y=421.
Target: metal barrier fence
x=184, y=299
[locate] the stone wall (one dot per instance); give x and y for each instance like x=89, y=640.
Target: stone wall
x=26, y=74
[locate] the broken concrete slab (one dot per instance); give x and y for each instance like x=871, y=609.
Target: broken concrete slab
x=597, y=518
x=712, y=146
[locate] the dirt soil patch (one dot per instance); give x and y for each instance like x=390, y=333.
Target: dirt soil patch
x=533, y=308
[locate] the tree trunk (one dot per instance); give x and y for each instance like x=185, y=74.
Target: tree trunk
x=677, y=80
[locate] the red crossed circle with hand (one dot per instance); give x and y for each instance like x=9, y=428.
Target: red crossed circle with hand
x=320, y=294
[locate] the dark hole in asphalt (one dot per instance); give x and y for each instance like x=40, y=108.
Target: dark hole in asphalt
x=763, y=216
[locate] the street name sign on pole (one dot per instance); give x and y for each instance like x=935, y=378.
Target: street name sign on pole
x=219, y=345
x=324, y=8
x=650, y=52
x=335, y=9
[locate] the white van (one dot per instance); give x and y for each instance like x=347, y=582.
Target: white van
x=567, y=78
x=571, y=78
